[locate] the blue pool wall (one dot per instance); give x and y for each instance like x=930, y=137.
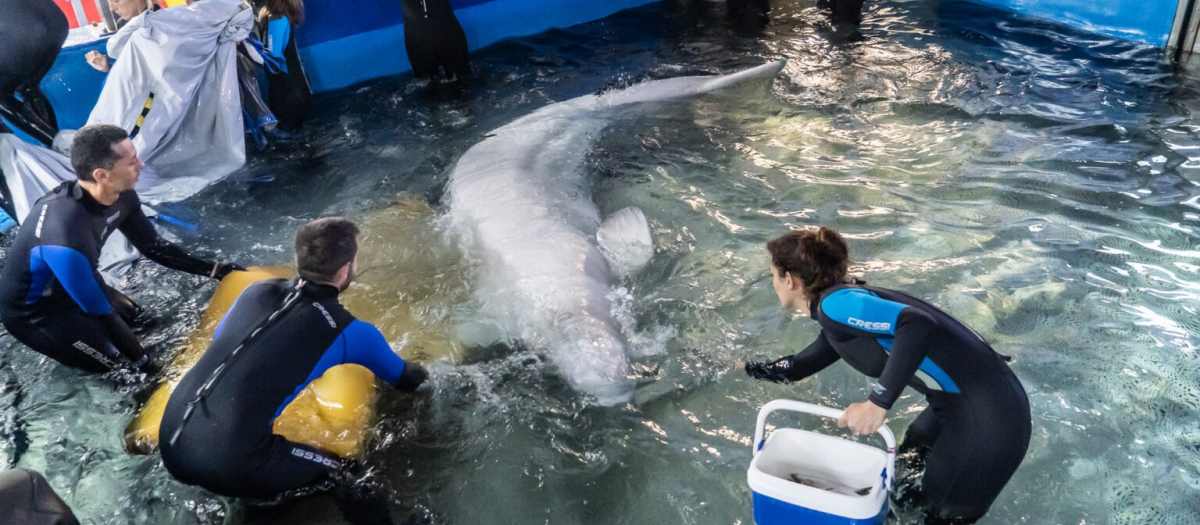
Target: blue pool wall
x=1144, y=21
x=344, y=42
x=339, y=50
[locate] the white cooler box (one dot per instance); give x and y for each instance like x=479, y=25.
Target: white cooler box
x=802, y=477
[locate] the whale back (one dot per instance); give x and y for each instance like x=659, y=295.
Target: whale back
x=523, y=212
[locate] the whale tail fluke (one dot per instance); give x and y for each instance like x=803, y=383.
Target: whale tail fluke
x=624, y=239
x=768, y=70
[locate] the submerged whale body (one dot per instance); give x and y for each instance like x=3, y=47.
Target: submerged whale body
x=522, y=209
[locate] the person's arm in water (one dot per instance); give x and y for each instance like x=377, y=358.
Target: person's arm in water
x=140, y=231
x=83, y=283
x=816, y=357
x=366, y=346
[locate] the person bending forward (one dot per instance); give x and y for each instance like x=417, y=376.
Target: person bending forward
x=52, y=297
x=976, y=430
x=217, y=427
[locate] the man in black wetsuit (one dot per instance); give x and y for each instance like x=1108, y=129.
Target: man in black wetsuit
x=976, y=430
x=278, y=337
x=52, y=298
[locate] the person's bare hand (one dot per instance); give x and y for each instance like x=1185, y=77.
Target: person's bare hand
x=97, y=61
x=864, y=418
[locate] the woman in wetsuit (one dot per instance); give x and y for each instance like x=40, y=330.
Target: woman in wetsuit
x=976, y=430
x=288, y=85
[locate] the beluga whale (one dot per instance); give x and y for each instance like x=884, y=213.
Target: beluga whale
x=521, y=207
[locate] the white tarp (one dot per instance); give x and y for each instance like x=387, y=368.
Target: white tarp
x=30, y=171
x=184, y=55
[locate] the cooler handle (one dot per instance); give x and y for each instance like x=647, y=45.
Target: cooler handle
x=818, y=410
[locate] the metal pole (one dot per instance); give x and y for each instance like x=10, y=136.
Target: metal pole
x=110, y=20
x=1183, y=32
x=80, y=16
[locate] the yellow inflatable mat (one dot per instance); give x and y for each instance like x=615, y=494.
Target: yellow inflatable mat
x=332, y=414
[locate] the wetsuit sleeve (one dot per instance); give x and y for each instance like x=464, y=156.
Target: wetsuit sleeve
x=904, y=331
x=366, y=346
x=910, y=344
x=122, y=337
x=278, y=33
x=140, y=231
x=75, y=273
x=816, y=357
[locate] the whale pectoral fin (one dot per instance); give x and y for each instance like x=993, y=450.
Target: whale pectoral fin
x=625, y=240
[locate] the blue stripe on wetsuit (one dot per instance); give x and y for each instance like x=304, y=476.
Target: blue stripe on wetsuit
x=278, y=33
x=362, y=344
x=863, y=310
x=73, y=271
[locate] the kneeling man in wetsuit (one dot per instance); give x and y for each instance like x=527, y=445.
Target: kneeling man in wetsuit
x=52, y=298
x=279, y=336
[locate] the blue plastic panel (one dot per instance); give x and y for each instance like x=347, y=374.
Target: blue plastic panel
x=72, y=87
x=1146, y=21
x=339, y=63
x=327, y=20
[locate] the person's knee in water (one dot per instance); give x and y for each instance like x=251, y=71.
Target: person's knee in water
x=31, y=34
x=289, y=333
x=52, y=297
x=977, y=426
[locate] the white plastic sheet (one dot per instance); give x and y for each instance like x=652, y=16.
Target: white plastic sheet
x=185, y=55
x=30, y=171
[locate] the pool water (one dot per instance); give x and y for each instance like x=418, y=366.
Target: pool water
x=1033, y=180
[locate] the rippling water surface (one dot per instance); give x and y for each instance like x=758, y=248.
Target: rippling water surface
x=1033, y=180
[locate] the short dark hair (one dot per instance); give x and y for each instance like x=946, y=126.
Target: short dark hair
x=92, y=149
x=323, y=246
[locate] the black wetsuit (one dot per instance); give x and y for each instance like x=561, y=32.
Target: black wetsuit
x=53, y=299
x=434, y=40
x=31, y=34
x=227, y=445
x=977, y=426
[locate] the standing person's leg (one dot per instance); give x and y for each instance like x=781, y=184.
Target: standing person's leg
x=911, y=457
x=421, y=50
x=978, y=451
x=453, y=50
x=252, y=101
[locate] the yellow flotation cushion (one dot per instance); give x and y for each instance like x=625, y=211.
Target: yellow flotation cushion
x=402, y=279
x=332, y=414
